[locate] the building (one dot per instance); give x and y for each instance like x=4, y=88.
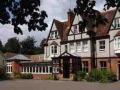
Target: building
x=69, y=49
x=34, y=64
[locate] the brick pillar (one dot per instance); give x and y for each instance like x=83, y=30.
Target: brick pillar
x=16, y=67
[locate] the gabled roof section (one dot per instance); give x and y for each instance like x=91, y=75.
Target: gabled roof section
x=103, y=30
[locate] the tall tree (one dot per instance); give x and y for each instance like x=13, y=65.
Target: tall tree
x=28, y=45
x=2, y=49
x=92, y=18
x=20, y=12
x=12, y=45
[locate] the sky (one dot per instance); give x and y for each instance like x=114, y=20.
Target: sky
x=56, y=9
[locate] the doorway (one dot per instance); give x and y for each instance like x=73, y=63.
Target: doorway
x=66, y=67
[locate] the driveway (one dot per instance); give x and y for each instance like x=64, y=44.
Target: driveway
x=56, y=85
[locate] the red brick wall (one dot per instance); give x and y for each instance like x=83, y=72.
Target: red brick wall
x=41, y=76
x=16, y=67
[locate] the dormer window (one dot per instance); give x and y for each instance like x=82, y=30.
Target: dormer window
x=54, y=35
x=75, y=29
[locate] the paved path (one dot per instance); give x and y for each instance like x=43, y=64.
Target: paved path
x=55, y=85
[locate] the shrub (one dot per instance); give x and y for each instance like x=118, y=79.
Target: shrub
x=79, y=76
x=55, y=77
x=3, y=75
x=101, y=76
x=26, y=76
x=17, y=75
x=94, y=75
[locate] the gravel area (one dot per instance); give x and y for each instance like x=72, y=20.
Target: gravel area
x=56, y=85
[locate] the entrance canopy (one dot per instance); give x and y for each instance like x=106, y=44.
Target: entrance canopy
x=66, y=54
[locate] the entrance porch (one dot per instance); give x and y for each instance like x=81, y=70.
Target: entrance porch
x=66, y=65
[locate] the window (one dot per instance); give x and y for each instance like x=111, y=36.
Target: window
x=85, y=46
x=102, y=45
x=103, y=65
x=78, y=46
x=72, y=49
x=54, y=49
x=118, y=22
x=50, y=69
x=54, y=35
x=75, y=29
x=66, y=48
x=118, y=42
x=85, y=66
x=9, y=67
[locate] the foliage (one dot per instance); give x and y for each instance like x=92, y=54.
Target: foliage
x=2, y=47
x=26, y=76
x=3, y=75
x=91, y=17
x=20, y=12
x=55, y=77
x=23, y=76
x=79, y=76
x=28, y=45
x=12, y=45
x=101, y=76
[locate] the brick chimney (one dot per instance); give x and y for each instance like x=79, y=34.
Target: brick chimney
x=70, y=16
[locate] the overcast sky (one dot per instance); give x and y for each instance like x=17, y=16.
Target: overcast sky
x=55, y=9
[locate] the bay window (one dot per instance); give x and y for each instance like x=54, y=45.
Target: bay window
x=54, y=49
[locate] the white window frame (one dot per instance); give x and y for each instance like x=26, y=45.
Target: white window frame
x=9, y=67
x=53, y=51
x=102, y=67
x=85, y=45
x=102, y=45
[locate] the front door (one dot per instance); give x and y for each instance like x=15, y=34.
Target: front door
x=66, y=67
x=119, y=71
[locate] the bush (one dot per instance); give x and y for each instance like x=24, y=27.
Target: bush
x=17, y=75
x=26, y=76
x=79, y=76
x=55, y=77
x=94, y=75
x=3, y=74
x=101, y=76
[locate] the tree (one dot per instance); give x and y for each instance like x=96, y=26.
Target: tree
x=91, y=19
x=1, y=47
x=28, y=45
x=20, y=12
x=12, y=45
x=42, y=45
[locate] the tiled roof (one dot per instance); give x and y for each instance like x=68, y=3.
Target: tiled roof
x=19, y=57
x=33, y=58
x=102, y=30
